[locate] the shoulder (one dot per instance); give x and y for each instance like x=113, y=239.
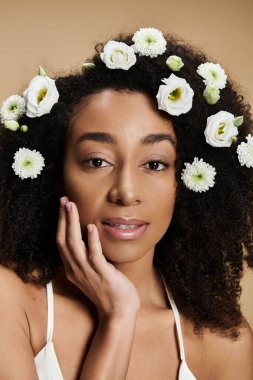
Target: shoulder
x=214, y=356
x=231, y=358
x=13, y=297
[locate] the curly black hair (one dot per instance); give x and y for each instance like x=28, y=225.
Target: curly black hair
x=201, y=254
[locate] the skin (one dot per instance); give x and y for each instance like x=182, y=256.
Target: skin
x=125, y=185
x=110, y=303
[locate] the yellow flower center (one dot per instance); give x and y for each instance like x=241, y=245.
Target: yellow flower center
x=221, y=128
x=175, y=94
x=41, y=94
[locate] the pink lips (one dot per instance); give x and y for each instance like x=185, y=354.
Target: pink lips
x=117, y=228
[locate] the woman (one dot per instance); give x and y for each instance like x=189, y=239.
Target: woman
x=149, y=150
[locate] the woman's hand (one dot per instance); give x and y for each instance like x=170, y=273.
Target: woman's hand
x=113, y=294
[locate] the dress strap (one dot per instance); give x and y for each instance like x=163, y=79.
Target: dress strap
x=177, y=320
x=50, y=312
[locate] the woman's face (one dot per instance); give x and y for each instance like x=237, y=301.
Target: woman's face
x=119, y=163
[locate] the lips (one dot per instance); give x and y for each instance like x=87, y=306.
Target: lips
x=124, y=229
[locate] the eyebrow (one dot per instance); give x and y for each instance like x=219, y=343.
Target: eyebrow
x=108, y=138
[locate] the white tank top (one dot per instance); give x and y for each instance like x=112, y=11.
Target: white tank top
x=46, y=360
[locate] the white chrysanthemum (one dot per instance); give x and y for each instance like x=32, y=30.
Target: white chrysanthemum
x=27, y=163
x=118, y=55
x=175, y=96
x=149, y=42
x=213, y=74
x=40, y=96
x=13, y=108
x=220, y=129
x=245, y=152
x=198, y=176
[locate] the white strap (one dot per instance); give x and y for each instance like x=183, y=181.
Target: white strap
x=177, y=320
x=50, y=312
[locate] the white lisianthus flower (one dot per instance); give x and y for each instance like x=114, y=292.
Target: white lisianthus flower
x=211, y=94
x=220, y=129
x=118, y=55
x=40, y=96
x=245, y=152
x=175, y=96
x=13, y=108
x=198, y=176
x=12, y=125
x=27, y=163
x=174, y=63
x=213, y=74
x=149, y=42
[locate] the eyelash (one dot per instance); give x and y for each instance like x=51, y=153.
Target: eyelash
x=85, y=163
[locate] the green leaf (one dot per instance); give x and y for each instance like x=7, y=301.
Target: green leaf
x=238, y=121
x=42, y=72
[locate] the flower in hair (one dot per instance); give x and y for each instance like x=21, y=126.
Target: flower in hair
x=118, y=55
x=149, y=42
x=88, y=66
x=245, y=152
x=174, y=63
x=213, y=74
x=27, y=163
x=198, y=176
x=221, y=129
x=211, y=94
x=41, y=95
x=13, y=108
x=175, y=96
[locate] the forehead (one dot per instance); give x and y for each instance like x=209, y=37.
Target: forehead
x=121, y=113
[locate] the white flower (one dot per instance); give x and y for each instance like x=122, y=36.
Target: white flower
x=13, y=108
x=118, y=55
x=12, y=125
x=175, y=97
x=198, y=176
x=27, y=163
x=40, y=96
x=211, y=94
x=149, y=42
x=213, y=74
x=245, y=152
x=220, y=129
x=174, y=63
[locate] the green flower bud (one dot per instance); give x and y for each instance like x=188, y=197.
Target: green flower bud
x=42, y=72
x=234, y=138
x=12, y=125
x=88, y=65
x=174, y=63
x=211, y=94
x=238, y=121
x=24, y=128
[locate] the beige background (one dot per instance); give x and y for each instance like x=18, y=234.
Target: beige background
x=59, y=35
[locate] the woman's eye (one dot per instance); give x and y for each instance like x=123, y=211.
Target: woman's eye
x=95, y=162
x=158, y=165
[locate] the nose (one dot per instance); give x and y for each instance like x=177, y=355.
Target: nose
x=126, y=188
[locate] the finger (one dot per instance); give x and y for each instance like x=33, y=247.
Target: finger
x=61, y=233
x=74, y=238
x=95, y=256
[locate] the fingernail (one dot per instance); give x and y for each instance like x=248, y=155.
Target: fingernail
x=63, y=201
x=68, y=207
x=90, y=228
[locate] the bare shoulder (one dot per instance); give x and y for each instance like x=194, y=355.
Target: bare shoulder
x=13, y=296
x=14, y=328
x=231, y=358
